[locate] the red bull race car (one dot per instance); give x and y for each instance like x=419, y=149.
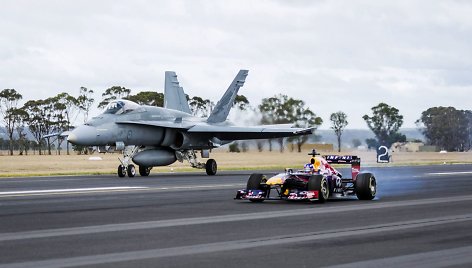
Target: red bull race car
x=318, y=181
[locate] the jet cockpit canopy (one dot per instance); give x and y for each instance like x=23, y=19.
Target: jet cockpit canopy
x=121, y=107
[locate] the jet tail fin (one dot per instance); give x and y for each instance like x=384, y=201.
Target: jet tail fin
x=174, y=96
x=222, y=108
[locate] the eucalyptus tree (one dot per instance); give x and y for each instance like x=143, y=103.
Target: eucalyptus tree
x=9, y=99
x=113, y=93
x=385, y=123
x=85, y=101
x=339, y=123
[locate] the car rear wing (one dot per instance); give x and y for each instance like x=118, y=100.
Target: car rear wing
x=341, y=159
x=346, y=159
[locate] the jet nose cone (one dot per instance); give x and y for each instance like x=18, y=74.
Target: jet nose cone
x=72, y=138
x=83, y=135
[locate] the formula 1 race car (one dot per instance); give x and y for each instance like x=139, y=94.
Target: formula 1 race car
x=316, y=182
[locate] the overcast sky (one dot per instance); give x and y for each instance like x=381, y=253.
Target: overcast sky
x=335, y=55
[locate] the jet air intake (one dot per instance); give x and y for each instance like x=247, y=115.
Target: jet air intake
x=155, y=157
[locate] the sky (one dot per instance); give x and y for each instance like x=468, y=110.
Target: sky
x=335, y=55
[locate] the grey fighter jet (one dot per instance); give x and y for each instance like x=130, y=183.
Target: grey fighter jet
x=153, y=136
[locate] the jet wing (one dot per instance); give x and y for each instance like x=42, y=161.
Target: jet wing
x=248, y=133
x=164, y=124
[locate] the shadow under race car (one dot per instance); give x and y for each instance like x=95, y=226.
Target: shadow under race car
x=317, y=183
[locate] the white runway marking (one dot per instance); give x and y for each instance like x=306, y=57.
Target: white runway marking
x=116, y=189
x=450, y=173
x=76, y=190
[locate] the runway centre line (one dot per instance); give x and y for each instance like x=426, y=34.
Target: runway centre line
x=244, y=244
x=220, y=219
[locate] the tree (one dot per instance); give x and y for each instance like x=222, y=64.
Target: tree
x=35, y=120
x=268, y=108
x=446, y=127
x=281, y=109
x=21, y=117
x=8, y=103
x=85, y=101
x=151, y=98
x=200, y=107
x=468, y=115
x=339, y=120
x=372, y=143
x=385, y=123
x=45, y=117
x=356, y=143
x=241, y=102
x=66, y=111
x=113, y=93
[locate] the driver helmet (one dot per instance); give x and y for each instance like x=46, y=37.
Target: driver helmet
x=316, y=164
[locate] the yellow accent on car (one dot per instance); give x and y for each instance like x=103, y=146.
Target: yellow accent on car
x=274, y=181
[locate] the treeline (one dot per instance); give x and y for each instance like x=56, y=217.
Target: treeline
x=446, y=127
x=45, y=118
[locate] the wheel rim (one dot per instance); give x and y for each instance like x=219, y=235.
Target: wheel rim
x=213, y=167
x=324, y=189
x=372, y=186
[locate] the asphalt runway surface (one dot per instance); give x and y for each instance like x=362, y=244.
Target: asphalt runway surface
x=421, y=217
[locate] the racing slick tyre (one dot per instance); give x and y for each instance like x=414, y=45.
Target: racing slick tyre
x=211, y=167
x=121, y=171
x=254, y=183
x=144, y=171
x=320, y=184
x=131, y=171
x=366, y=186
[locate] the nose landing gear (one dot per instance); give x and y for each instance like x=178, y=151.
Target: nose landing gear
x=126, y=168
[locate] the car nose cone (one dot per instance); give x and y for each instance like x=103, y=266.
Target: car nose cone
x=83, y=135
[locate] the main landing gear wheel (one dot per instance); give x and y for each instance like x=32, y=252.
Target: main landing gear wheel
x=121, y=171
x=131, y=171
x=144, y=171
x=211, y=167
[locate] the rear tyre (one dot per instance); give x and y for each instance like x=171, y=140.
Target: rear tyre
x=121, y=171
x=254, y=183
x=366, y=186
x=144, y=171
x=320, y=184
x=211, y=167
x=131, y=171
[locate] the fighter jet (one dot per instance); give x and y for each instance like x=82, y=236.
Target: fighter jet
x=151, y=136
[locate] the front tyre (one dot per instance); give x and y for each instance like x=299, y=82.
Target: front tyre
x=121, y=171
x=254, y=183
x=320, y=184
x=366, y=186
x=211, y=167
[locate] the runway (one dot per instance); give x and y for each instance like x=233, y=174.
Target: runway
x=422, y=217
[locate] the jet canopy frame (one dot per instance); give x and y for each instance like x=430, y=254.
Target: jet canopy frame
x=120, y=107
